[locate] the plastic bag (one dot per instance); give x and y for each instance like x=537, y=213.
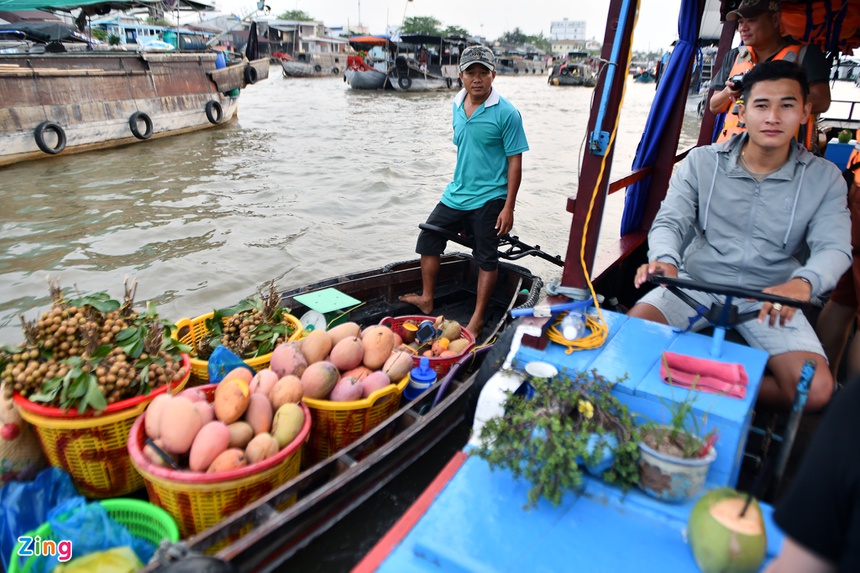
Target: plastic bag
x=222, y=361
x=116, y=560
x=26, y=506
x=90, y=529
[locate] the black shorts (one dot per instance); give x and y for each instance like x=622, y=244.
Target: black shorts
x=478, y=225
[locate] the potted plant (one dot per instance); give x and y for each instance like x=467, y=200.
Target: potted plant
x=570, y=426
x=675, y=457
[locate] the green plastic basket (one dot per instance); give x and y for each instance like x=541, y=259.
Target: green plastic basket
x=141, y=518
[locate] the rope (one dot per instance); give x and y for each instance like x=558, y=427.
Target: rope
x=596, y=324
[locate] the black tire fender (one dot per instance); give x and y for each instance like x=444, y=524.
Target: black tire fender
x=251, y=75
x=516, y=70
x=136, y=117
x=214, y=112
x=405, y=82
x=564, y=71
x=459, y=83
x=449, y=82
x=317, y=68
x=39, y=134
x=335, y=71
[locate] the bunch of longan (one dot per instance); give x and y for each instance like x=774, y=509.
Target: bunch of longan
x=239, y=332
x=67, y=331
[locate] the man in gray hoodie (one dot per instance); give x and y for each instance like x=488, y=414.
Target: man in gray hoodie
x=741, y=213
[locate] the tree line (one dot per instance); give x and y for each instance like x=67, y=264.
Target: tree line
x=429, y=26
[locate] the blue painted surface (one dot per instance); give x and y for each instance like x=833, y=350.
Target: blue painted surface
x=633, y=352
x=838, y=153
x=477, y=523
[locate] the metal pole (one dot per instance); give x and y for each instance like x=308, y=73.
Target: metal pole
x=806, y=374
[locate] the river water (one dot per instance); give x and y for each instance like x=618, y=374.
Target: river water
x=312, y=180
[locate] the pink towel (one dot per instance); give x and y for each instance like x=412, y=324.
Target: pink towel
x=718, y=377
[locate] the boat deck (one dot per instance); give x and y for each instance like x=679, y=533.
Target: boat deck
x=472, y=518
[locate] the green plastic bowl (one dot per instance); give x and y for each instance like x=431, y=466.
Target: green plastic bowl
x=141, y=518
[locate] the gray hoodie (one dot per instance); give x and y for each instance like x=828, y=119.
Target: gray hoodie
x=751, y=234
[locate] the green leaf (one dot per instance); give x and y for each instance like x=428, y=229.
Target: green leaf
x=100, y=301
x=127, y=333
x=94, y=397
x=243, y=306
x=101, y=352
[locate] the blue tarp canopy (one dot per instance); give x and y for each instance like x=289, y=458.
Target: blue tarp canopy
x=669, y=91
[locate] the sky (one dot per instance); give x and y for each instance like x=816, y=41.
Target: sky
x=655, y=30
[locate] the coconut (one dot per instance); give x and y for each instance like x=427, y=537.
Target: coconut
x=722, y=539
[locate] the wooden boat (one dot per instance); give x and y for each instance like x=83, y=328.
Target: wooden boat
x=470, y=517
x=368, y=71
x=359, y=75
x=67, y=102
x=572, y=74
x=335, y=486
x=440, y=71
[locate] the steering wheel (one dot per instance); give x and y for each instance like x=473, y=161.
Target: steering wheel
x=732, y=291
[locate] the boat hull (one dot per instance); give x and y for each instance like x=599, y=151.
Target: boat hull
x=322, y=65
x=416, y=83
x=92, y=99
x=368, y=79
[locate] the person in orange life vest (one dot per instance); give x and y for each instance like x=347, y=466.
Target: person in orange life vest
x=759, y=29
x=837, y=318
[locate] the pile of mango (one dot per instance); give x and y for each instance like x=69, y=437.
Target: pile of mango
x=248, y=421
x=343, y=364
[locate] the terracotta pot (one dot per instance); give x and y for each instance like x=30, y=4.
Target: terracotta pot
x=671, y=478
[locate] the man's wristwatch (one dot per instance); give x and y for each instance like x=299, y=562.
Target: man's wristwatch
x=806, y=280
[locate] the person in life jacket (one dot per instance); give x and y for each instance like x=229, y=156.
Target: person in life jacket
x=759, y=29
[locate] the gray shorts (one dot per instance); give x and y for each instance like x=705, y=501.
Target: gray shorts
x=796, y=336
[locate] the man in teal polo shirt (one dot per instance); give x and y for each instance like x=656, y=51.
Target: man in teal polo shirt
x=488, y=133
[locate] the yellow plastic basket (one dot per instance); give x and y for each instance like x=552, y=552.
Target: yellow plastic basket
x=199, y=500
x=337, y=424
x=92, y=449
x=191, y=330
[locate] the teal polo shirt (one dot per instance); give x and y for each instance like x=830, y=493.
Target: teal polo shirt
x=484, y=143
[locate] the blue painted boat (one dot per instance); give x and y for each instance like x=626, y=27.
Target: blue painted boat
x=472, y=518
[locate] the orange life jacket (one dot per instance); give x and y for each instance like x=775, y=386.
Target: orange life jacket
x=744, y=62
x=854, y=158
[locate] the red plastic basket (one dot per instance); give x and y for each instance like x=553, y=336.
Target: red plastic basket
x=199, y=500
x=440, y=365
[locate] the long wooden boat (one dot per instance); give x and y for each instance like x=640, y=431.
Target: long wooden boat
x=60, y=103
x=471, y=517
x=262, y=538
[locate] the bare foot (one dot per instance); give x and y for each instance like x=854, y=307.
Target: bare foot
x=423, y=304
x=475, y=329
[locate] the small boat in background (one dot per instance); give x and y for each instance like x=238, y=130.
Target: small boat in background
x=368, y=68
x=573, y=70
x=426, y=63
x=360, y=76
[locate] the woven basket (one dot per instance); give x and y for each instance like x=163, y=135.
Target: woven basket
x=440, y=365
x=196, y=329
x=142, y=520
x=199, y=500
x=338, y=424
x=92, y=448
